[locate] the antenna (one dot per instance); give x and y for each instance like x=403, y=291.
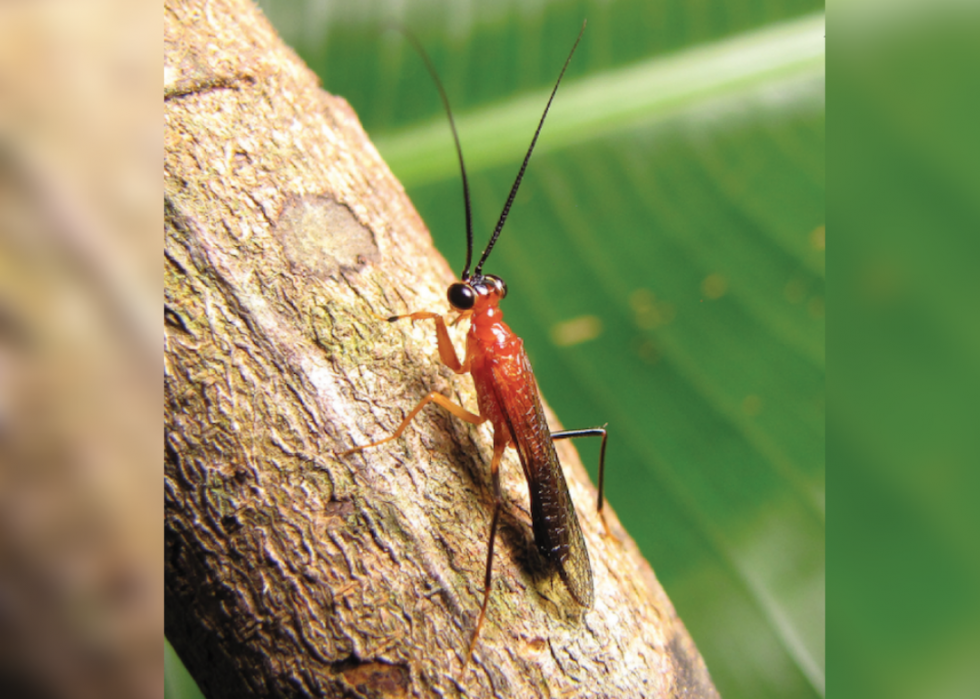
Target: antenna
x=520, y=174
x=459, y=150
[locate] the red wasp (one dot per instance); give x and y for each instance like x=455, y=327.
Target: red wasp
x=507, y=395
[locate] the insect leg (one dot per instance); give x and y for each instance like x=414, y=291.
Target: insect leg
x=457, y=410
x=498, y=450
x=447, y=352
x=592, y=432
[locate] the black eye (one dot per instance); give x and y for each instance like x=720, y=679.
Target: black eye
x=499, y=283
x=461, y=296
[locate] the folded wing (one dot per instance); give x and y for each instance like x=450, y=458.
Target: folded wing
x=557, y=532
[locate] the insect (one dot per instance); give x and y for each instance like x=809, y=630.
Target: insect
x=507, y=396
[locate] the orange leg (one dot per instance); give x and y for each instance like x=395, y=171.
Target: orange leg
x=498, y=450
x=447, y=352
x=457, y=410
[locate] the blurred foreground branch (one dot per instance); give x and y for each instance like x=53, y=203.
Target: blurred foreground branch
x=80, y=550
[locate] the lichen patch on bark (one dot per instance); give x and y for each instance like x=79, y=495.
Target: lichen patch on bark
x=322, y=237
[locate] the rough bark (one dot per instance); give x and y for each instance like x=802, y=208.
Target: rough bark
x=290, y=571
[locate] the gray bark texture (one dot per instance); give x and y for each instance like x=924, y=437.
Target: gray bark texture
x=291, y=571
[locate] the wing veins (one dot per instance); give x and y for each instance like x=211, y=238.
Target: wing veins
x=557, y=531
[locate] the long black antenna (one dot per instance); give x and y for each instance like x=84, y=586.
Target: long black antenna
x=459, y=150
x=520, y=175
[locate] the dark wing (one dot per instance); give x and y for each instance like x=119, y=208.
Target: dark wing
x=556, y=528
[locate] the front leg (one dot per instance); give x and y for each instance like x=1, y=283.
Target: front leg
x=447, y=352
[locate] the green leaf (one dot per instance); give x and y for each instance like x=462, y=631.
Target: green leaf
x=177, y=682
x=665, y=260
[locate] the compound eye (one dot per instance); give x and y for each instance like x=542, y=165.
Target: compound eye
x=461, y=296
x=499, y=284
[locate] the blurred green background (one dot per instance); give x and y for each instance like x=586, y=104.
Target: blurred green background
x=665, y=260
x=903, y=439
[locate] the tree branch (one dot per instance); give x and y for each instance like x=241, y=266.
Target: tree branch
x=290, y=571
